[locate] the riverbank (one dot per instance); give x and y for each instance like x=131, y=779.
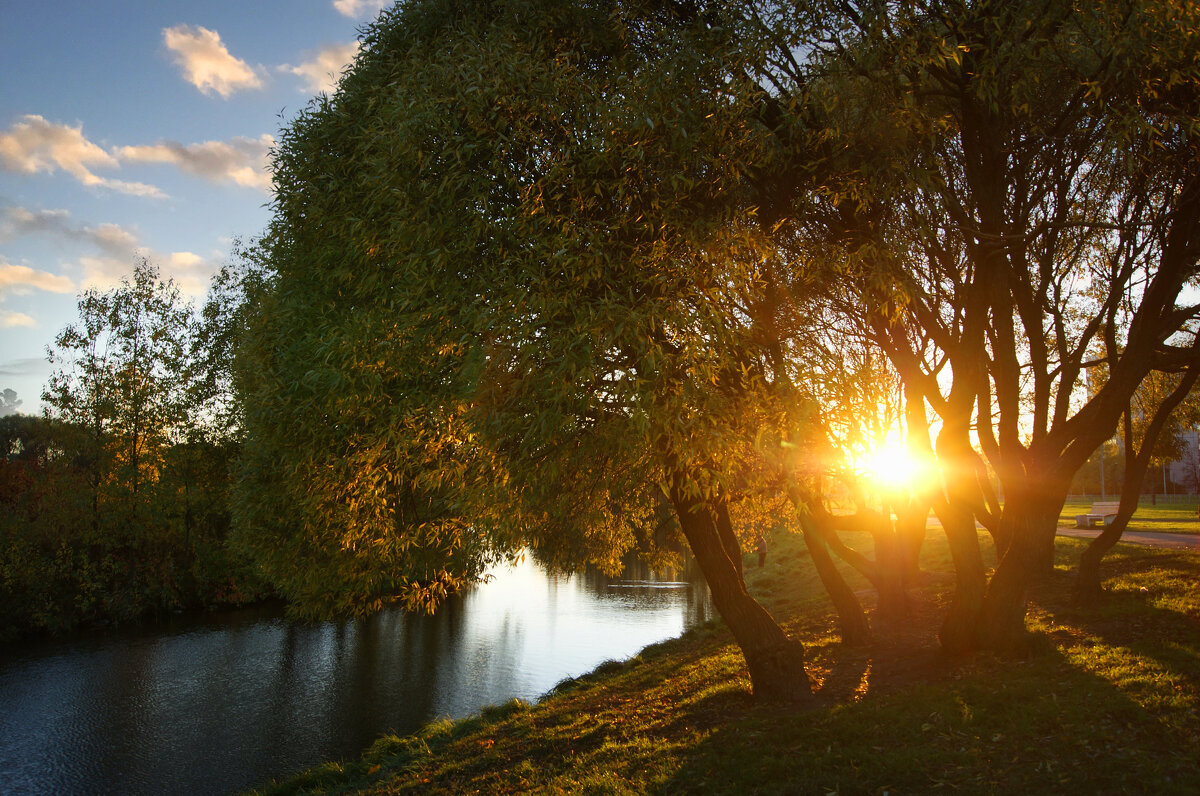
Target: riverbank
x=1110, y=703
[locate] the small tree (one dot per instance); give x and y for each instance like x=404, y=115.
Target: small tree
x=121, y=378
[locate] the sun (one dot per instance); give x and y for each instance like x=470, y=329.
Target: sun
x=892, y=466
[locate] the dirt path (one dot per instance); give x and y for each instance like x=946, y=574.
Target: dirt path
x=1178, y=541
x=1173, y=541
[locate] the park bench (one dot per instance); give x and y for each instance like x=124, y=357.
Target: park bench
x=1099, y=515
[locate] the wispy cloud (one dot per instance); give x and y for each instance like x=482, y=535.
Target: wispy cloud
x=353, y=8
x=243, y=161
x=34, y=145
x=112, y=239
x=206, y=63
x=322, y=72
x=108, y=256
x=189, y=270
x=27, y=366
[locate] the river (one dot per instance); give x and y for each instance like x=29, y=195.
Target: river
x=220, y=702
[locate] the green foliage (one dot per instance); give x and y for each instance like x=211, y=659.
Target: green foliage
x=234, y=295
x=510, y=254
x=121, y=381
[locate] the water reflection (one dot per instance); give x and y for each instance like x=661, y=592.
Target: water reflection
x=225, y=702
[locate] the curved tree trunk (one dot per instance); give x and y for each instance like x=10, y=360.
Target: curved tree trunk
x=852, y=621
x=820, y=534
x=1001, y=621
x=1087, y=583
x=733, y=548
x=887, y=572
x=776, y=662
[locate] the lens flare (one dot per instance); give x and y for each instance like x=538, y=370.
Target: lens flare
x=892, y=466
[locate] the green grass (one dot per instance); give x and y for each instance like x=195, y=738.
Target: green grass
x=1110, y=703
x=1160, y=518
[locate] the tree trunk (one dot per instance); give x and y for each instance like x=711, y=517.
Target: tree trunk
x=1087, y=587
x=1043, y=525
x=1087, y=583
x=1038, y=503
x=820, y=533
x=957, y=515
x=912, y=525
x=958, y=629
x=729, y=540
x=1001, y=622
x=913, y=517
x=893, y=581
x=1031, y=519
x=852, y=621
x=776, y=663
x=887, y=571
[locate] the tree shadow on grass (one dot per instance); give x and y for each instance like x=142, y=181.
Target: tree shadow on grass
x=1041, y=726
x=1131, y=617
x=900, y=716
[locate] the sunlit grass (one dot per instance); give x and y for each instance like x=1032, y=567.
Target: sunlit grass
x=1109, y=704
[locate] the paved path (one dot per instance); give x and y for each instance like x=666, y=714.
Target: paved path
x=1185, y=541
x=1175, y=541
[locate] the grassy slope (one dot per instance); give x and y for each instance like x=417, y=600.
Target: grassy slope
x=1161, y=518
x=1110, y=704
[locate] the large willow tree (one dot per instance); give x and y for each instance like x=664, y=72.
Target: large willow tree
x=510, y=255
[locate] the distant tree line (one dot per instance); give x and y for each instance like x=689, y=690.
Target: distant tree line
x=116, y=500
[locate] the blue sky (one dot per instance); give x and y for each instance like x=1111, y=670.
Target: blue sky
x=138, y=128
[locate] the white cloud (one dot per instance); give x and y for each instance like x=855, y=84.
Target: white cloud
x=21, y=279
x=112, y=239
x=35, y=145
x=102, y=272
x=190, y=271
x=243, y=161
x=352, y=8
x=11, y=319
x=113, y=249
x=323, y=71
x=206, y=63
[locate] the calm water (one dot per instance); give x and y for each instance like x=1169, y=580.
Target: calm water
x=228, y=701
